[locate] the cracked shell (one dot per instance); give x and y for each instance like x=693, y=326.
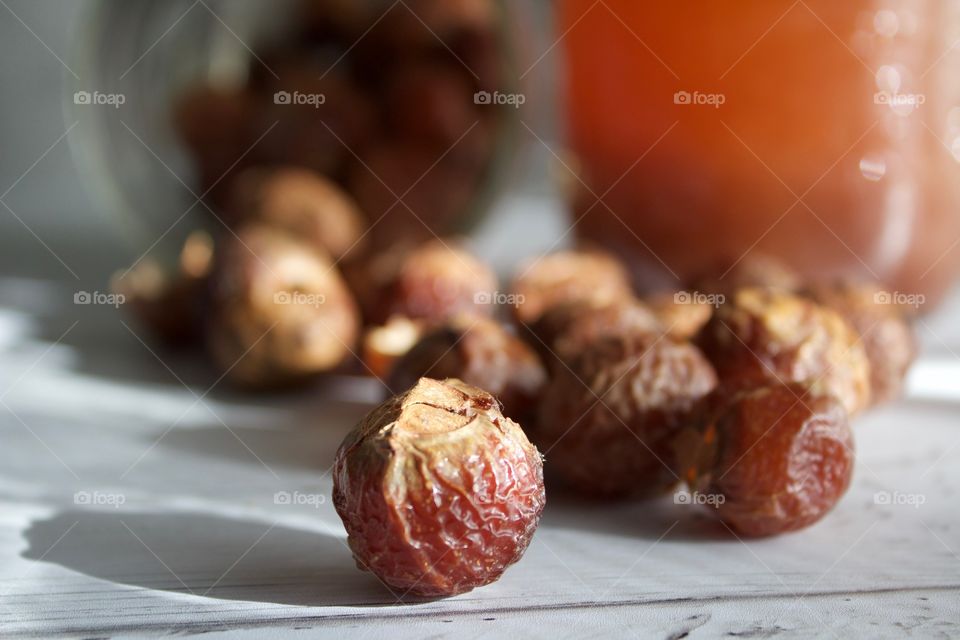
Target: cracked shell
x=766, y=336
x=438, y=491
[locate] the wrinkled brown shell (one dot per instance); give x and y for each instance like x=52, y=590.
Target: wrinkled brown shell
x=483, y=353
x=369, y=274
x=762, y=336
x=608, y=425
x=784, y=458
x=565, y=331
x=438, y=491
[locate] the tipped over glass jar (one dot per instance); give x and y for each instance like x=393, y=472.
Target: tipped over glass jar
x=397, y=103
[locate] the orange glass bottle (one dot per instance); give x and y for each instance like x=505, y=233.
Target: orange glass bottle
x=824, y=132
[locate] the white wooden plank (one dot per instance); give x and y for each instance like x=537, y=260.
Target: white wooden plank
x=199, y=544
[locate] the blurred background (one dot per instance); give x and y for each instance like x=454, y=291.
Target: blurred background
x=47, y=200
x=63, y=221
x=825, y=136
x=835, y=126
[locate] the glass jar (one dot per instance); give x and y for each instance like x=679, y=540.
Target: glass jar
x=823, y=132
x=150, y=54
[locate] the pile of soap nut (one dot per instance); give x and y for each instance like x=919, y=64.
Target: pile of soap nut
x=741, y=387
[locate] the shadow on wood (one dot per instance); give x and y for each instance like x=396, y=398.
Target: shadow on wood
x=647, y=519
x=206, y=556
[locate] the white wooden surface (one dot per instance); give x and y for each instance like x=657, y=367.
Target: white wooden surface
x=182, y=533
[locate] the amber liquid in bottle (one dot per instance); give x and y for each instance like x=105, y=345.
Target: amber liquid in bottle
x=824, y=132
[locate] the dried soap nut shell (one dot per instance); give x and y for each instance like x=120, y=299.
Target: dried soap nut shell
x=439, y=280
x=568, y=277
x=608, y=422
x=483, y=353
x=752, y=270
x=302, y=202
x=884, y=329
x=762, y=336
x=438, y=491
x=384, y=344
x=682, y=314
x=170, y=302
x=280, y=310
x=784, y=458
x=566, y=331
